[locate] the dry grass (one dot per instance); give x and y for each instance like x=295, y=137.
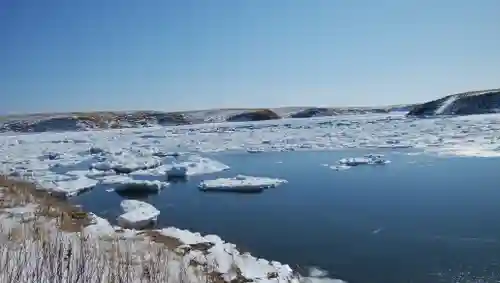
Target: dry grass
x=21, y=193
x=33, y=253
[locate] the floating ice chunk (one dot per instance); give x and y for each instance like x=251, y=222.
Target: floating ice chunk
x=339, y=167
x=96, y=174
x=96, y=150
x=255, y=150
x=66, y=186
x=177, y=171
x=354, y=161
x=320, y=280
x=317, y=275
x=240, y=183
x=316, y=272
x=370, y=159
x=127, y=162
x=197, y=165
x=138, y=214
x=127, y=183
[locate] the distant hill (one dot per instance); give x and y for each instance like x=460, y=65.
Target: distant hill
x=466, y=103
x=472, y=102
x=83, y=121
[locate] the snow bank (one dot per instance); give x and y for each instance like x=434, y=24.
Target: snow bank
x=240, y=183
x=224, y=258
x=99, y=227
x=137, y=214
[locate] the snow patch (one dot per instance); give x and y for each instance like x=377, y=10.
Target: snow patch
x=446, y=104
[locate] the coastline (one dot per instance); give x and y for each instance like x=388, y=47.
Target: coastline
x=45, y=237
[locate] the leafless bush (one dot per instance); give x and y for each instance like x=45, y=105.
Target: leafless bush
x=32, y=253
x=50, y=246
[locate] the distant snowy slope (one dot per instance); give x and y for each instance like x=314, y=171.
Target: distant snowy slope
x=467, y=103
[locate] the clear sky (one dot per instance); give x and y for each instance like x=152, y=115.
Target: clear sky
x=71, y=55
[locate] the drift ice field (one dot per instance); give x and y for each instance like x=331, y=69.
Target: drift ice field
x=71, y=162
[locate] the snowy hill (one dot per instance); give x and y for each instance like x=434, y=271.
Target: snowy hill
x=467, y=103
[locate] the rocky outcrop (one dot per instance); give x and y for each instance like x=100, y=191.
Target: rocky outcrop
x=314, y=112
x=256, y=115
x=468, y=103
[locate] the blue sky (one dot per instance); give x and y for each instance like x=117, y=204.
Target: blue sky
x=60, y=55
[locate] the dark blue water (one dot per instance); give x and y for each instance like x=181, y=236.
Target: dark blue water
x=419, y=219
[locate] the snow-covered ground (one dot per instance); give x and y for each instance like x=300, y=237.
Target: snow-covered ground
x=67, y=163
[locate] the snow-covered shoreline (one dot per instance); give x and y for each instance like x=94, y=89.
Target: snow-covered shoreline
x=189, y=257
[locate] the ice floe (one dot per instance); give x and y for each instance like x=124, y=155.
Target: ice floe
x=177, y=171
x=240, y=183
x=126, y=183
x=66, y=186
x=128, y=161
x=365, y=160
x=137, y=214
x=347, y=163
x=197, y=165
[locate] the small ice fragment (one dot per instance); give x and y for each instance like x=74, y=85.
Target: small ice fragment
x=316, y=272
x=125, y=183
x=354, y=161
x=254, y=150
x=66, y=188
x=369, y=159
x=240, y=183
x=197, y=165
x=340, y=167
x=95, y=150
x=137, y=214
x=177, y=171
